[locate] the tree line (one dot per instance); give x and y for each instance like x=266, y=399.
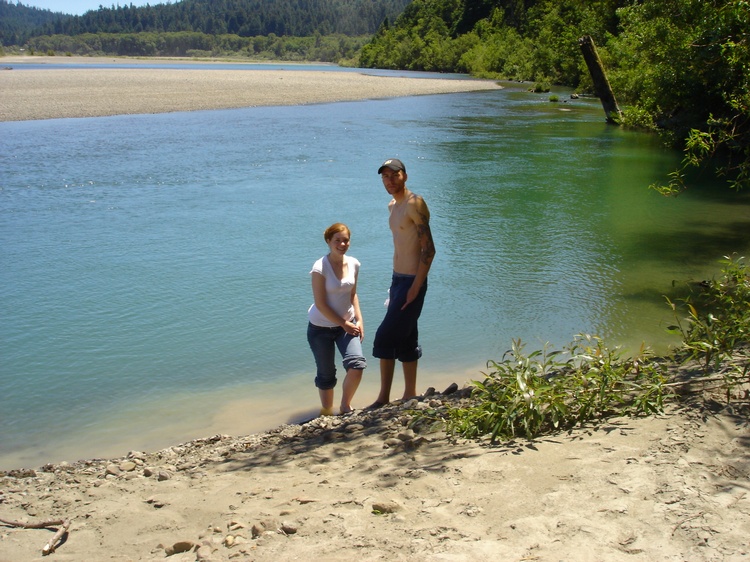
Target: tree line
x=337, y=48
x=244, y=18
x=17, y=22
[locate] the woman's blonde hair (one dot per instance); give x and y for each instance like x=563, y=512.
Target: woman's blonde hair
x=333, y=229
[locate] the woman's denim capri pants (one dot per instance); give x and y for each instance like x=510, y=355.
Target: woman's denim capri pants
x=323, y=343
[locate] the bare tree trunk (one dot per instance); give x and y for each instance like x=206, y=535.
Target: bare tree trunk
x=601, y=85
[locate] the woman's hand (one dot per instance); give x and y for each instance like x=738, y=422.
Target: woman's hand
x=354, y=330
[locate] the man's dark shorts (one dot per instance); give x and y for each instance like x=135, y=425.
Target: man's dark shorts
x=398, y=334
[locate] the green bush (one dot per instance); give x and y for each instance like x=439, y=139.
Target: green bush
x=531, y=394
x=718, y=321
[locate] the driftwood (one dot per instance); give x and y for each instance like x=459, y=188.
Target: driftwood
x=52, y=544
x=601, y=85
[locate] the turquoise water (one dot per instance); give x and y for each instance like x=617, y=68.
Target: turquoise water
x=154, y=280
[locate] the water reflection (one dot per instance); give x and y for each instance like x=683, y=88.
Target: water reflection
x=556, y=217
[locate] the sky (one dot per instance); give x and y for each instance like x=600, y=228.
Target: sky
x=80, y=7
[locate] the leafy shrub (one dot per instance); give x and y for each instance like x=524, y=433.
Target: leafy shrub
x=638, y=118
x=531, y=394
x=723, y=322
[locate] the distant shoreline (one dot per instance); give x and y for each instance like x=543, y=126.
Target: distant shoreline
x=32, y=94
x=80, y=59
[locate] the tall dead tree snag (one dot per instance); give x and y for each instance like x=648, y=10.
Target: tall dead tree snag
x=601, y=85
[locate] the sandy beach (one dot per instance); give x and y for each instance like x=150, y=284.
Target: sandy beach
x=370, y=486
x=97, y=92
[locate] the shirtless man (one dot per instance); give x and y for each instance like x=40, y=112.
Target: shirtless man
x=414, y=250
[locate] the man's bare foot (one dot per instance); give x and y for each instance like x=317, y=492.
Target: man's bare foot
x=375, y=405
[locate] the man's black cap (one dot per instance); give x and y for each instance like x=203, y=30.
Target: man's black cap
x=394, y=164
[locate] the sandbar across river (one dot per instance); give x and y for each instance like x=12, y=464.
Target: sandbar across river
x=47, y=93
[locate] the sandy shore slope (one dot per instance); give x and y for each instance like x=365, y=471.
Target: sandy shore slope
x=367, y=488
x=95, y=92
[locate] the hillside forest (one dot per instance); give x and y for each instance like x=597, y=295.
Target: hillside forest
x=678, y=67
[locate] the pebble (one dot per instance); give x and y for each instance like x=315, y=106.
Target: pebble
x=385, y=507
x=178, y=547
x=289, y=528
x=406, y=435
x=127, y=466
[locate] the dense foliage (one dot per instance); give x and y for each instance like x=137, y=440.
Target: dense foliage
x=17, y=21
x=245, y=18
x=681, y=66
x=330, y=48
x=685, y=67
x=507, y=38
x=293, y=30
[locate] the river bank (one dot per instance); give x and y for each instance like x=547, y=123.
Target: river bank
x=670, y=487
x=46, y=93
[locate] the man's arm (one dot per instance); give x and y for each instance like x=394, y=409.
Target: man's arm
x=420, y=216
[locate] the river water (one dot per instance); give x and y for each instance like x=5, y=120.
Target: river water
x=155, y=268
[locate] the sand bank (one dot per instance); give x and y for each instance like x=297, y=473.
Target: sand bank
x=367, y=487
x=95, y=92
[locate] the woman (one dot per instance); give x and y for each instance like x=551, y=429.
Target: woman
x=335, y=320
